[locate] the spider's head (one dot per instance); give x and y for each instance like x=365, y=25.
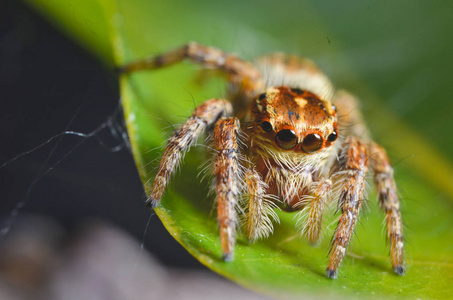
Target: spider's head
x=293, y=120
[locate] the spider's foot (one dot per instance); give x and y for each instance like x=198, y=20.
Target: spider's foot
x=331, y=274
x=227, y=257
x=399, y=270
x=152, y=203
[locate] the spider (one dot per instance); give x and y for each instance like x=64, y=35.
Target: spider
x=280, y=142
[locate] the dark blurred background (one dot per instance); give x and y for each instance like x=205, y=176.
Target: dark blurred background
x=50, y=85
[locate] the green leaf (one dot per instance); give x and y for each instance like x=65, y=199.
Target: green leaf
x=394, y=56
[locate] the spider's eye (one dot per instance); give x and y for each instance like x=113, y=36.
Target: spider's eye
x=266, y=126
x=334, y=108
x=286, y=139
x=262, y=96
x=332, y=137
x=312, y=143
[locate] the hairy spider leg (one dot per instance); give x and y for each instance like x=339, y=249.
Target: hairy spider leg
x=228, y=181
x=351, y=121
x=202, y=118
x=389, y=203
x=242, y=74
x=354, y=165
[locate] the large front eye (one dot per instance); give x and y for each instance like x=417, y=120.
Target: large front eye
x=286, y=139
x=312, y=143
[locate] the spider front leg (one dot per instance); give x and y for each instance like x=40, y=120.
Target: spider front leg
x=388, y=201
x=228, y=181
x=354, y=165
x=239, y=71
x=203, y=117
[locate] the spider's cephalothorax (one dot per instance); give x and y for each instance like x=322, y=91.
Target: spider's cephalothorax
x=278, y=143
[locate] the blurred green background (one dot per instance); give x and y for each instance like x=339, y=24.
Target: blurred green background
x=394, y=56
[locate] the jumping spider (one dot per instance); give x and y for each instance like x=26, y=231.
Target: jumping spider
x=280, y=141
